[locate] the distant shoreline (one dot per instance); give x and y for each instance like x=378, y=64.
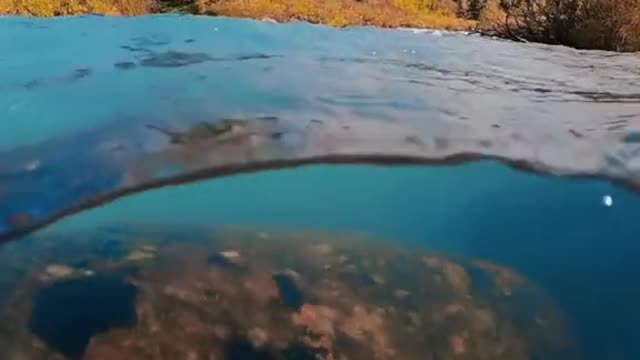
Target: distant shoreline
x=335, y=13
x=595, y=24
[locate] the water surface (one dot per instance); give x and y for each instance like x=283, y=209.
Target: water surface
x=130, y=103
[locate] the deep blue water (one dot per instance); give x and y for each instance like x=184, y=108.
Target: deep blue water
x=420, y=95
x=557, y=231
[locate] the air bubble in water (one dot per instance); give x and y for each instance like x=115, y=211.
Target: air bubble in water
x=607, y=200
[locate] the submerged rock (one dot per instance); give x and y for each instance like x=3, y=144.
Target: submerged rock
x=322, y=249
x=401, y=293
x=241, y=297
x=144, y=252
x=505, y=280
x=227, y=258
x=317, y=319
x=58, y=271
x=149, y=248
x=458, y=344
x=230, y=255
x=138, y=255
x=377, y=279
x=457, y=276
x=258, y=337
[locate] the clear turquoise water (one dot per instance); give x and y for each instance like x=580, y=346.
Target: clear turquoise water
x=556, y=231
x=520, y=99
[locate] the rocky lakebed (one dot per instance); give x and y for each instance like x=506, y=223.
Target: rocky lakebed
x=151, y=292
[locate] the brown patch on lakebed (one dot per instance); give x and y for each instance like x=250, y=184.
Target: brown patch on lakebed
x=251, y=295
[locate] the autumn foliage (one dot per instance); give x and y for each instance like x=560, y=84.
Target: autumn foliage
x=592, y=24
x=75, y=7
x=384, y=13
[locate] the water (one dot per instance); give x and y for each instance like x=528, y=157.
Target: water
x=125, y=105
x=69, y=313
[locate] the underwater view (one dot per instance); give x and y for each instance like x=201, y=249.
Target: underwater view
x=196, y=188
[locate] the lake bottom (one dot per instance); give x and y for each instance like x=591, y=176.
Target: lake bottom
x=169, y=292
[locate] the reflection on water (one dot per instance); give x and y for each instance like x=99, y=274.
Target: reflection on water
x=238, y=294
x=360, y=94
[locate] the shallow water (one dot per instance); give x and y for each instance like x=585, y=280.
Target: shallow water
x=556, y=231
x=138, y=110
x=125, y=105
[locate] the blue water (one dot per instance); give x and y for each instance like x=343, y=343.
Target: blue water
x=557, y=231
x=86, y=125
x=403, y=93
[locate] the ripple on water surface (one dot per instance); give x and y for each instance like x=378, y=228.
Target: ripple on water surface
x=204, y=97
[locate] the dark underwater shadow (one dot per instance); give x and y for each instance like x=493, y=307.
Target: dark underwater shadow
x=67, y=314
